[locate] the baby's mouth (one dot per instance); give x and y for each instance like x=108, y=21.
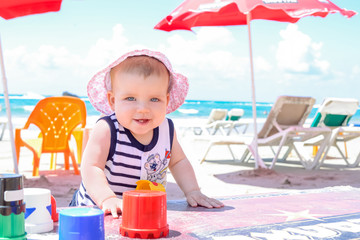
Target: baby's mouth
x=142, y=121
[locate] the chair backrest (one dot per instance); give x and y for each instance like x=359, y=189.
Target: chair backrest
x=287, y=111
x=217, y=114
x=57, y=117
x=235, y=114
x=335, y=112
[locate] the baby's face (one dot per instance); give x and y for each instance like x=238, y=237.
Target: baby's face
x=139, y=103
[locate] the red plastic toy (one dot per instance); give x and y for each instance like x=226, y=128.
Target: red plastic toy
x=144, y=214
x=54, y=213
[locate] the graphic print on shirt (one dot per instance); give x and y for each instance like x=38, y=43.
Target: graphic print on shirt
x=156, y=167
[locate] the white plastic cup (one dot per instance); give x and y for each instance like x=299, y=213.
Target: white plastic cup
x=38, y=210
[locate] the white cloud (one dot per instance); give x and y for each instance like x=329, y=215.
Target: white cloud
x=216, y=36
x=47, y=67
x=207, y=51
x=355, y=71
x=56, y=68
x=261, y=64
x=209, y=59
x=297, y=53
x=106, y=50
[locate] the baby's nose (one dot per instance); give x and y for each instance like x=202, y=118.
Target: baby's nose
x=143, y=106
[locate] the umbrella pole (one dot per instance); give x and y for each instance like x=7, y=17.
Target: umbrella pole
x=258, y=161
x=8, y=111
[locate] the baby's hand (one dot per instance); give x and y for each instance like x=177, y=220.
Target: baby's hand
x=112, y=205
x=196, y=198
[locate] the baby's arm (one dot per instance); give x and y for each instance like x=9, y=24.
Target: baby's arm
x=92, y=169
x=184, y=175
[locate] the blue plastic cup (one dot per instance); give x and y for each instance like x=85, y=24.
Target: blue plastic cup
x=80, y=223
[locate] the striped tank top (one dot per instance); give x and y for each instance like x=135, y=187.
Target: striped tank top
x=129, y=161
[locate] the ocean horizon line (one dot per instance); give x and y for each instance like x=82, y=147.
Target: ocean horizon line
x=23, y=104
x=32, y=95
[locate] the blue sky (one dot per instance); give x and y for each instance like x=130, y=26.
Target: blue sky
x=55, y=52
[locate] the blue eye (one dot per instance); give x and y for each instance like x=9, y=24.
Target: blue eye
x=130, y=98
x=154, y=100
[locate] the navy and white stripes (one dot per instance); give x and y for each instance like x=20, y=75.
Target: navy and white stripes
x=127, y=158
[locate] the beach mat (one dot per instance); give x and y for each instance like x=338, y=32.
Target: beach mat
x=329, y=213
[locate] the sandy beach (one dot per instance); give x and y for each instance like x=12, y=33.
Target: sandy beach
x=218, y=176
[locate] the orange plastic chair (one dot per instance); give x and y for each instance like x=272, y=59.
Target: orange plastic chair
x=56, y=117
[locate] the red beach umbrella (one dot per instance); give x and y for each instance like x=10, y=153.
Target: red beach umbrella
x=197, y=13
x=17, y=8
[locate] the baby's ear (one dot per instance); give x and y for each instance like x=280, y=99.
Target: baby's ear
x=111, y=100
x=167, y=99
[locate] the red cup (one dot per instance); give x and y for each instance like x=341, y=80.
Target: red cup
x=54, y=213
x=144, y=214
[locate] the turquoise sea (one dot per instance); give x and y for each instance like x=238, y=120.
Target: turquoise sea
x=22, y=105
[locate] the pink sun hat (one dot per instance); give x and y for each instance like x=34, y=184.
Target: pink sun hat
x=98, y=85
